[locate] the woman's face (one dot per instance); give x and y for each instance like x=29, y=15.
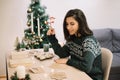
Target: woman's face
x=72, y=25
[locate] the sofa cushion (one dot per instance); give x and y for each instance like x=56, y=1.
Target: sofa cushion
x=104, y=36
x=116, y=40
x=117, y=54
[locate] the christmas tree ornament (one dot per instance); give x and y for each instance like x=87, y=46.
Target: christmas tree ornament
x=29, y=10
x=33, y=33
x=28, y=23
x=46, y=22
x=41, y=40
x=33, y=1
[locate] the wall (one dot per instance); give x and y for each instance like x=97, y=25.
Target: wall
x=12, y=24
x=99, y=13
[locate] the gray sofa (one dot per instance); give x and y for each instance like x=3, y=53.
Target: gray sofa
x=110, y=38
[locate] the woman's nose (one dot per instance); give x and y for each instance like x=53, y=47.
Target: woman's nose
x=68, y=27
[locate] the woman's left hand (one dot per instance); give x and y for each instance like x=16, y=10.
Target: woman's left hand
x=61, y=60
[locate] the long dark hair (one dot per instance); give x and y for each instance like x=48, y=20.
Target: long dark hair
x=79, y=16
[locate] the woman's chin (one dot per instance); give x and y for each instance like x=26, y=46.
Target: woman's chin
x=72, y=34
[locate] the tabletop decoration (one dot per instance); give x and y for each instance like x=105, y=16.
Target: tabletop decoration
x=43, y=56
x=36, y=70
x=15, y=77
x=46, y=47
x=21, y=72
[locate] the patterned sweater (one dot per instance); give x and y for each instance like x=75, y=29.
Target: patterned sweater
x=84, y=53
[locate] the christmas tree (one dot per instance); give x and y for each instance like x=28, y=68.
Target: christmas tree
x=35, y=35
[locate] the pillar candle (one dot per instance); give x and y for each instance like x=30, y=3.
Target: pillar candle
x=38, y=22
x=32, y=29
x=21, y=72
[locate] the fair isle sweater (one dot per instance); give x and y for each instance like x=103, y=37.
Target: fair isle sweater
x=84, y=52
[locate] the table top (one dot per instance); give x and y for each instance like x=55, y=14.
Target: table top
x=48, y=67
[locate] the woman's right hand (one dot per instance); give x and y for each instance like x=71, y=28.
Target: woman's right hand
x=51, y=31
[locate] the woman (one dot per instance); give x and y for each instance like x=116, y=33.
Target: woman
x=81, y=50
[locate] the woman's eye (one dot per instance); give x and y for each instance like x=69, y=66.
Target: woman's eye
x=72, y=23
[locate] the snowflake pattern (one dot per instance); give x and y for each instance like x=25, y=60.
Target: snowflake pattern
x=88, y=45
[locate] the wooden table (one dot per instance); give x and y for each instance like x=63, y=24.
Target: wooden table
x=49, y=66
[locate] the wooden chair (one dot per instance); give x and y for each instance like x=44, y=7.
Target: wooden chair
x=107, y=57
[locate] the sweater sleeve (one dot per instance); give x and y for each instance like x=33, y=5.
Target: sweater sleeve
x=62, y=52
x=85, y=64
x=89, y=53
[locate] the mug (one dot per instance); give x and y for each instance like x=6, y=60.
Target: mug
x=46, y=47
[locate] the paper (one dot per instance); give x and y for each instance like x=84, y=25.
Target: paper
x=36, y=70
x=58, y=75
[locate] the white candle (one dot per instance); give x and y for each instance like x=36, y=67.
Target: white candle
x=38, y=22
x=32, y=29
x=21, y=72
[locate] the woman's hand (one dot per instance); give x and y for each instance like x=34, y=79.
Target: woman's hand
x=51, y=31
x=61, y=60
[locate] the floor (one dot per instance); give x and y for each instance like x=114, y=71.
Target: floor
x=2, y=78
